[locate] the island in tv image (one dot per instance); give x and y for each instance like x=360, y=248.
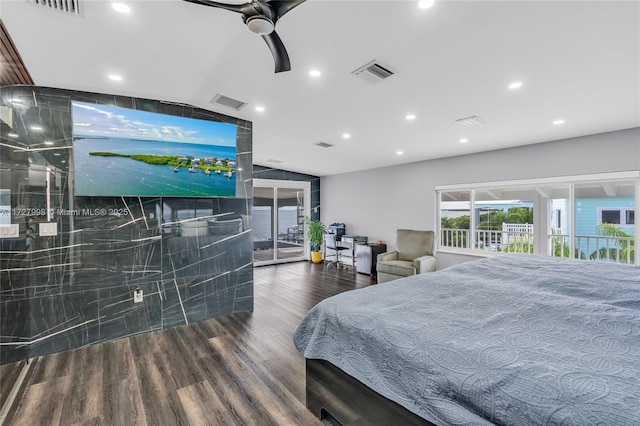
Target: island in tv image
x=126, y=152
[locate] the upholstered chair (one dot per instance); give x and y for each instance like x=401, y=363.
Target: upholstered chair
x=413, y=255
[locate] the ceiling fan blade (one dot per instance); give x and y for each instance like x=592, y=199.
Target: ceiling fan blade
x=278, y=51
x=240, y=8
x=280, y=7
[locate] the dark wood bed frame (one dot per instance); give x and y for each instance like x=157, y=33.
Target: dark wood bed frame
x=333, y=395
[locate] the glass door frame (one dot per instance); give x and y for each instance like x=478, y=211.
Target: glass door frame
x=285, y=184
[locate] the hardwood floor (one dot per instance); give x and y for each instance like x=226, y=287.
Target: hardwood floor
x=237, y=370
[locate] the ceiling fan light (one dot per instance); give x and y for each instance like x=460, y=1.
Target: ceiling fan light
x=260, y=25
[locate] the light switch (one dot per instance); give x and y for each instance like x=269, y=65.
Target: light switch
x=10, y=231
x=48, y=229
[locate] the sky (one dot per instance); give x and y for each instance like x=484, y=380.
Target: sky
x=109, y=121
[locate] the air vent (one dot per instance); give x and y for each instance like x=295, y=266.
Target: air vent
x=71, y=7
x=373, y=72
x=323, y=145
x=228, y=102
x=274, y=161
x=473, y=121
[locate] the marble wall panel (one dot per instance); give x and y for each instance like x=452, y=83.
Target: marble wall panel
x=76, y=288
x=207, y=248
x=119, y=317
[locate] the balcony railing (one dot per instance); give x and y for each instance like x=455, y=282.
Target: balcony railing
x=594, y=247
x=458, y=238
x=496, y=241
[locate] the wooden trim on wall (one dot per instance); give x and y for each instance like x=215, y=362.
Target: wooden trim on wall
x=13, y=70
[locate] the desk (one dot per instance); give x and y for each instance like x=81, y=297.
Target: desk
x=350, y=241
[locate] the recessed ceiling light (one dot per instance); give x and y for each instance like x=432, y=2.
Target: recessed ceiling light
x=12, y=135
x=410, y=117
x=425, y=4
x=259, y=108
x=558, y=122
x=121, y=7
x=399, y=152
x=115, y=77
x=36, y=128
x=48, y=143
x=515, y=85
x=464, y=140
x=346, y=136
x=315, y=73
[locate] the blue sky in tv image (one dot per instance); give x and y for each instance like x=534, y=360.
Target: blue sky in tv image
x=95, y=120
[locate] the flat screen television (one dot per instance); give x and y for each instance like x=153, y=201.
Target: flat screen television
x=126, y=152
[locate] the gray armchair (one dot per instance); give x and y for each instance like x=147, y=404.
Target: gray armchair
x=413, y=255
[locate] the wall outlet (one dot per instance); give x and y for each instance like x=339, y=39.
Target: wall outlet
x=10, y=231
x=48, y=229
x=137, y=296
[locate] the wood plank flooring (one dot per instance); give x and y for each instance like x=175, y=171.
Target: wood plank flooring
x=241, y=369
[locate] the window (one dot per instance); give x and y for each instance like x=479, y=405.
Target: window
x=487, y=220
x=588, y=217
x=610, y=216
x=617, y=216
x=455, y=219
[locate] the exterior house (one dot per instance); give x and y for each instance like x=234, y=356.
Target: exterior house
x=590, y=215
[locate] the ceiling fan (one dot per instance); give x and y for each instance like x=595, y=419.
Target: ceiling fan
x=261, y=17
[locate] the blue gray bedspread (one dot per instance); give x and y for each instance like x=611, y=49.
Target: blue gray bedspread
x=511, y=340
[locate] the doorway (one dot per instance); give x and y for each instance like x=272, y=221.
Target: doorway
x=279, y=209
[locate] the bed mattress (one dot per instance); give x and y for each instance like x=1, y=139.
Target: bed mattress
x=512, y=340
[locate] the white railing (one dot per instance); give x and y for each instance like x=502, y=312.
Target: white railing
x=488, y=240
x=458, y=238
x=517, y=237
x=519, y=240
x=518, y=227
x=594, y=247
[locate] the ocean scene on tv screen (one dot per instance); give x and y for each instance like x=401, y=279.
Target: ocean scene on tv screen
x=121, y=151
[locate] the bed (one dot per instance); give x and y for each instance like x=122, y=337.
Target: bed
x=511, y=340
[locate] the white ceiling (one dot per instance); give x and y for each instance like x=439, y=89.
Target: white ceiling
x=578, y=61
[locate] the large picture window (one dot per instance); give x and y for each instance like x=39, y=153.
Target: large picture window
x=585, y=217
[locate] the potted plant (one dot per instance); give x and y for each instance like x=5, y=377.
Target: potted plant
x=315, y=233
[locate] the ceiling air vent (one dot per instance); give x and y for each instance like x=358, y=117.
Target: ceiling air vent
x=71, y=7
x=373, y=72
x=473, y=121
x=228, y=102
x=323, y=145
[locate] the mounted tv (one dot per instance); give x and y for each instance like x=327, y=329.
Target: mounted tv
x=126, y=152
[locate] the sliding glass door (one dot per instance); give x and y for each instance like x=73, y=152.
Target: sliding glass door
x=279, y=209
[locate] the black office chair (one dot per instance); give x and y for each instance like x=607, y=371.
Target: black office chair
x=330, y=244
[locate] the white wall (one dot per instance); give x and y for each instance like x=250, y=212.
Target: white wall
x=377, y=202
